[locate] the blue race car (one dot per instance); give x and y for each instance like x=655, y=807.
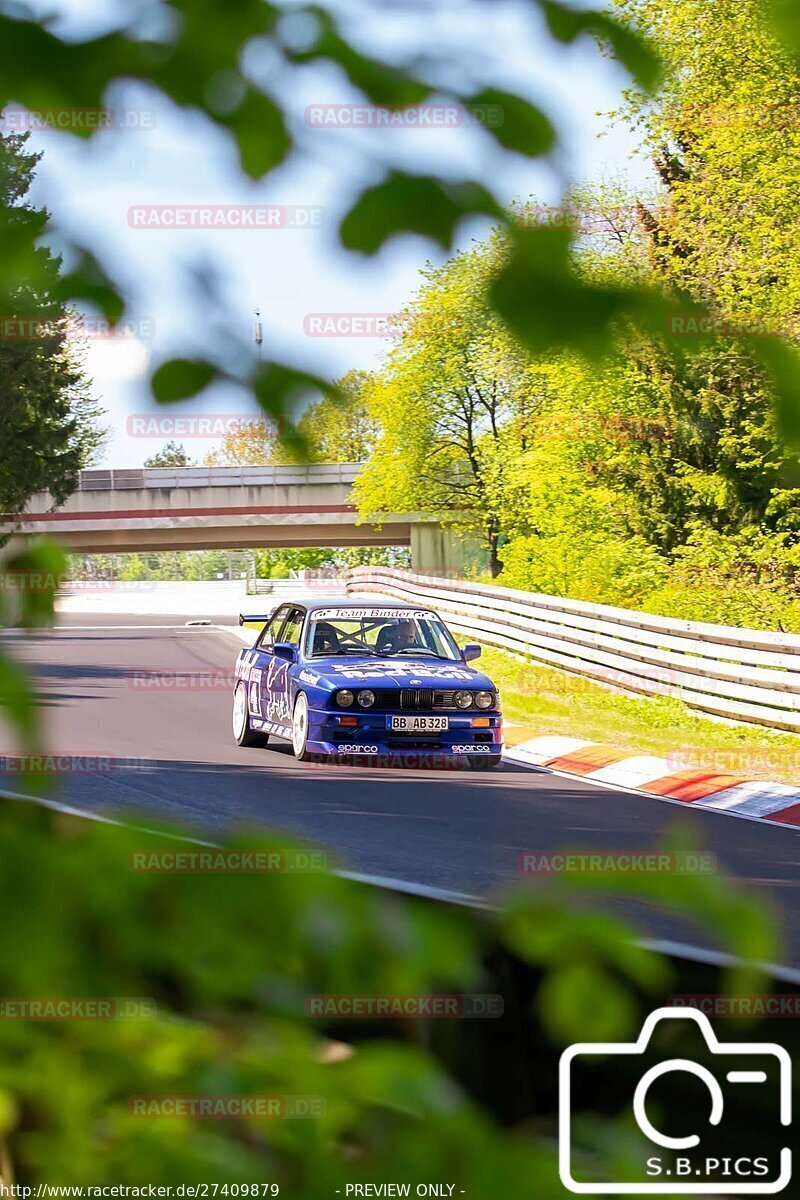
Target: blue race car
x=364, y=679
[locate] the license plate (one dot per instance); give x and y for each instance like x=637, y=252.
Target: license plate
x=418, y=724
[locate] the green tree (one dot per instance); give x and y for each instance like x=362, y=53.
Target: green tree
x=49, y=421
x=251, y=444
x=172, y=454
x=449, y=386
x=725, y=140
x=340, y=429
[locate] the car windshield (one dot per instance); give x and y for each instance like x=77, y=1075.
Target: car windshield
x=380, y=632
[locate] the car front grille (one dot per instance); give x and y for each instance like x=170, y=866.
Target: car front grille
x=427, y=698
x=422, y=700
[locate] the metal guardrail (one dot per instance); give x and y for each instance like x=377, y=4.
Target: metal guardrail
x=740, y=674
x=298, y=588
x=188, y=477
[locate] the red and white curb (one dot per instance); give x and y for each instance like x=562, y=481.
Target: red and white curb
x=652, y=776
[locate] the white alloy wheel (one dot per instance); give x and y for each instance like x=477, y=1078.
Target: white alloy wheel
x=300, y=727
x=242, y=732
x=239, y=712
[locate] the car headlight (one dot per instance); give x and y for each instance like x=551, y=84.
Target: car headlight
x=463, y=699
x=366, y=698
x=484, y=699
x=344, y=698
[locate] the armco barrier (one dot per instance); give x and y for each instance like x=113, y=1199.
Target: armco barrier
x=188, y=477
x=741, y=674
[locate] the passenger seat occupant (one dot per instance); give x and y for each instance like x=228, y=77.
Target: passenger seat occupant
x=326, y=639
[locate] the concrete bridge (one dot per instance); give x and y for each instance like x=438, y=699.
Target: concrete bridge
x=205, y=508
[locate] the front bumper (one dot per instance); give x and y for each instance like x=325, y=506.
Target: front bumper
x=473, y=733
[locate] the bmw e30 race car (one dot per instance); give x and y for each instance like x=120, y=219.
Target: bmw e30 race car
x=369, y=680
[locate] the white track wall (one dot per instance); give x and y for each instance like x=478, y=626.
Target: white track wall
x=741, y=674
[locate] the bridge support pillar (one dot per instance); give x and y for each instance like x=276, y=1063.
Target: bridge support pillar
x=442, y=550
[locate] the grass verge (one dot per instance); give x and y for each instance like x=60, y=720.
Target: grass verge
x=541, y=700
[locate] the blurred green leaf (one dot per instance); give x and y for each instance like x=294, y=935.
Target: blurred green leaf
x=412, y=204
x=515, y=123
x=8, y=1115
x=785, y=16
x=32, y=576
x=261, y=134
x=546, y=305
x=582, y=1002
x=18, y=701
x=181, y=378
x=567, y=24
x=782, y=360
x=88, y=281
x=382, y=82
x=742, y=923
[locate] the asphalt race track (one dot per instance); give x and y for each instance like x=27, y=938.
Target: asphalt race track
x=458, y=831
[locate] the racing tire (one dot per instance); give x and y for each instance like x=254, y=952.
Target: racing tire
x=300, y=728
x=242, y=732
x=485, y=762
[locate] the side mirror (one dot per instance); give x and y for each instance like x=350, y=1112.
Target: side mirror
x=470, y=652
x=286, y=651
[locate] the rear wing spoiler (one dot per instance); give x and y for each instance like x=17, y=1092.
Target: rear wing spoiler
x=246, y=618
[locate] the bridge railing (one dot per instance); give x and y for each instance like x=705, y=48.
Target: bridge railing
x=740, y=674
x=188, y=477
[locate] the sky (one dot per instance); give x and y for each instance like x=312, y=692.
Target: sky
x=192, y=288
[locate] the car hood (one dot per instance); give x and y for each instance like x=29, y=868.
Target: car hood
x=413, y=671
